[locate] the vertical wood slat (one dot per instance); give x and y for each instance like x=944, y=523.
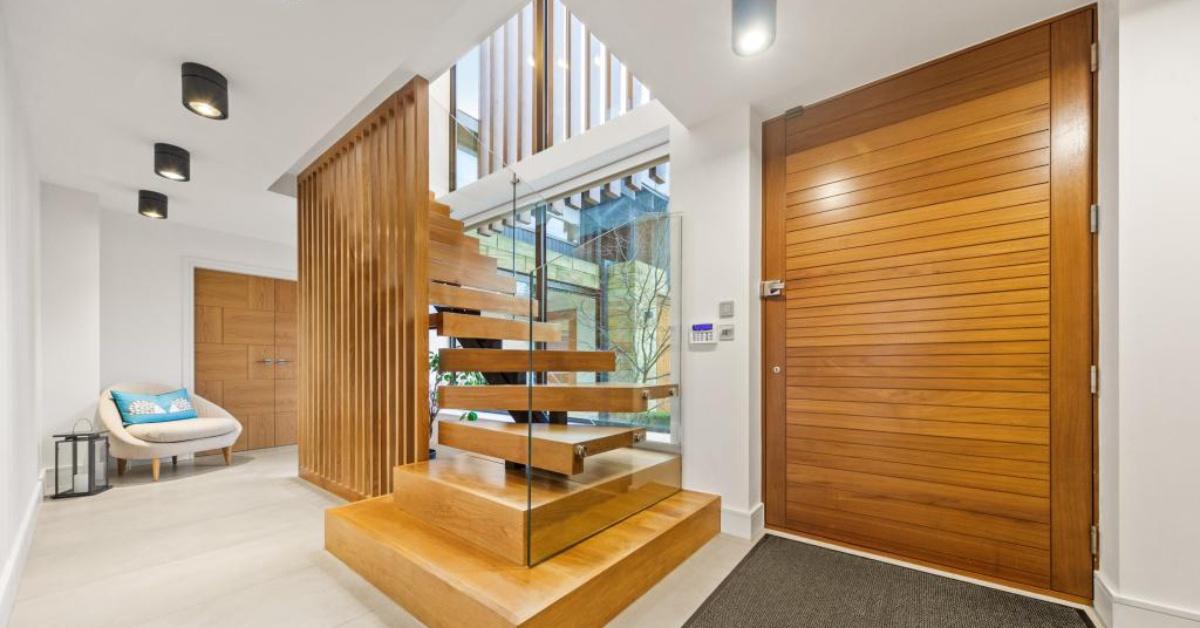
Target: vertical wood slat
x=363, y=219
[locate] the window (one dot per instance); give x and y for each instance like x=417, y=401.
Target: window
x=496, y=88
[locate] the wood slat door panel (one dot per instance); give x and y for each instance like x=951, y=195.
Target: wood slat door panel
x=244, y=326
x=935, y=331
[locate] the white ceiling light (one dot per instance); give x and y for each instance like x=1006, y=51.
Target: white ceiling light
x=753, y=26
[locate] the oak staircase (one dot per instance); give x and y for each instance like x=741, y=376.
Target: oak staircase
x=536, y=522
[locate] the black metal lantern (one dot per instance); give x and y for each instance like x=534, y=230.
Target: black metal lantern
x=88, y=473
x=152, y=204
x=172, y=162
x=205, y=91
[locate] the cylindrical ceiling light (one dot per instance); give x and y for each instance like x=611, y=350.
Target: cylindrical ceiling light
x=172, y=162
x=753, y=26
x=152, y=204
x=205, y=91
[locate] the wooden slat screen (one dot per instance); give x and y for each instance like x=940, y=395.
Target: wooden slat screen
x=935, y=333
x=363, y=299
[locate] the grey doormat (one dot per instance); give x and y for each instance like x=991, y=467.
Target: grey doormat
x=787, y=583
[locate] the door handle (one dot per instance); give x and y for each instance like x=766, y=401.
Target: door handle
x=283, y=361
x=266, y=361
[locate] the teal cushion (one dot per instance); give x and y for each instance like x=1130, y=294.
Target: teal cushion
x=137, y=408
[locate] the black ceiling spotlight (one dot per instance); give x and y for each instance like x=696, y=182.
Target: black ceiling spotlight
x=152, y=204
x=205, y=91
x=172, y=162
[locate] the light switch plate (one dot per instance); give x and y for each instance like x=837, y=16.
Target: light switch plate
x=726, y=309
x=726, y=332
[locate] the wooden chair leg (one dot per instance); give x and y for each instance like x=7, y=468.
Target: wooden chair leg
x=121, y=462
x=154, y=466
x=227, y=452
x=175, y=461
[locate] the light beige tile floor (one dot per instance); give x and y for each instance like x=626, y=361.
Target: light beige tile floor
x=210, y=545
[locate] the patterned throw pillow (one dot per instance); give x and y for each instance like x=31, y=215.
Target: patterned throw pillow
x=138, y=408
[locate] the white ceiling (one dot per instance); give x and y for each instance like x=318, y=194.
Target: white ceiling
x=681, y=48
x=100, y=81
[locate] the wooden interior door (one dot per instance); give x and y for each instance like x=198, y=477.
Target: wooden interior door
x=934, y=339
x=245, y=353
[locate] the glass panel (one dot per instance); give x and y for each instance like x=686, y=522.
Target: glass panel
x=609, y=445
x=580, y=427
x=100, y=468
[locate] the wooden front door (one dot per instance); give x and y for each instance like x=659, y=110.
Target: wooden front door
x=245, y=353
x=926, y=371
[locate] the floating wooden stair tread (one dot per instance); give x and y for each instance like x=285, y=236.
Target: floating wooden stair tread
x=467, y=298
x=485, y=503
x=438, y=208
x=470, y=326
x=555, y=397
x=517, y=361
x=474, y=276
x=465, y=253
x=444, y=582
x=557, y=448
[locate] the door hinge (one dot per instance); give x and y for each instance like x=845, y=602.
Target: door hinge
x=1095, y=56
x=1094, y=218
x=768, y=288
x=794, y=112
x=1095, y=541
x=1094, y=379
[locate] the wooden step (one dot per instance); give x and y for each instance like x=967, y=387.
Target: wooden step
x=467, y=298
x=441, y=233
x=445, y=582
x=444, y=221
x=555, y=397
x=517, y=361
x=439, y=208
x=557, y=448
x=463, y=252
x=481, y=278
x=454, y=325
x=485, y=503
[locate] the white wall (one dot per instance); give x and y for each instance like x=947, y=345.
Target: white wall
x=715, y=184
x=70, y=318
x=1158, y=583
x=19, y=353
x=143, y=290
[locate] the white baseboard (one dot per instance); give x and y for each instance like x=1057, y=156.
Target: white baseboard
x=1119, y=611
x=14, y=563
x=1102, y=600
x=746, y=524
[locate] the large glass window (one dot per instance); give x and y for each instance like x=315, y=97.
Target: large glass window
x=496, y=86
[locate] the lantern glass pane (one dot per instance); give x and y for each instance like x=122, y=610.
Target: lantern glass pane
x=100, y=468
x=63, y=472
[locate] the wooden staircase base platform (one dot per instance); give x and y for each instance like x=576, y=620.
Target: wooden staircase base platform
x=445, y=582
x=496, y=510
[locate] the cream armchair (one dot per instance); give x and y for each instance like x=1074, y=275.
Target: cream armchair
x=214, y=428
